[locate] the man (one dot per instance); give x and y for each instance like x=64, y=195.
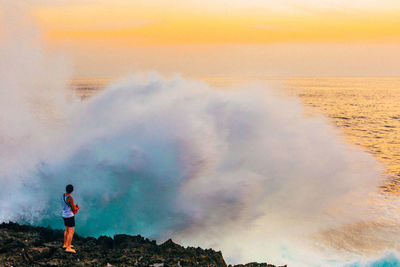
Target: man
x=68, y=213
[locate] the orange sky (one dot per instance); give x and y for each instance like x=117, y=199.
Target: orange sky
x=224, y=37
x=181, y=24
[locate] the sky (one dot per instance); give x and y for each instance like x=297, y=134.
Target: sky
x=223, y=38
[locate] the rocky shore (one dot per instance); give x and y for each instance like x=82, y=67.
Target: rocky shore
x=23, y=245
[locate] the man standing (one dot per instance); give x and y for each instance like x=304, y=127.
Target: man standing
x=68, y=213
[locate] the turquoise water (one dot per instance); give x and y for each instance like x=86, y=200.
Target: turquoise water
x=389, y=261
x=365, y=111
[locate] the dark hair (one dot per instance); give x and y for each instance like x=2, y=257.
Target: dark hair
x=69, y=188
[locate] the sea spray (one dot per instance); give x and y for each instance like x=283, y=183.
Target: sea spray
x=238, y=171
x=243, y=170
x=32, y=105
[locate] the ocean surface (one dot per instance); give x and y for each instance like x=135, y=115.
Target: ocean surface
x=365, y=109
x=325, y=142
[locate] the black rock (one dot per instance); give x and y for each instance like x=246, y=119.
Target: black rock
x=24, y=245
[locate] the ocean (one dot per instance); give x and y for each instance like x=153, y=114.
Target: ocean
x=366, y=110
x=298, y=171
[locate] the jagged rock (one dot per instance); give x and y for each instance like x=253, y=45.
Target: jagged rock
x=23, y=245
x=170, y=244
x=105, y=242
x=255, y=264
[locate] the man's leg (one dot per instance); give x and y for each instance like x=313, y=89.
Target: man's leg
x=69, y=239
x=71, y=234
x=65, y=236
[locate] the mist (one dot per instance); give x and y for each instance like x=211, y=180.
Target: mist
x=242, y=170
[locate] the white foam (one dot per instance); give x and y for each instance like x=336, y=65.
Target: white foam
x=242, y=171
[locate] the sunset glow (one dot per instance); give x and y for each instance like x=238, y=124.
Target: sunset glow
x=189, y=24
x=223, y=38
x=244, y=130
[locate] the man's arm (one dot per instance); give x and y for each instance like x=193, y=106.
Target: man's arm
x=70, y=201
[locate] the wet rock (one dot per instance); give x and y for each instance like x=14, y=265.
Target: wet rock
x=105, y=242
x=170, y=244
x=23, y=245
x=255, y=264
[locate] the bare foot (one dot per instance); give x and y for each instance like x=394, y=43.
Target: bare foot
x=70, y=250
x=65, y=246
